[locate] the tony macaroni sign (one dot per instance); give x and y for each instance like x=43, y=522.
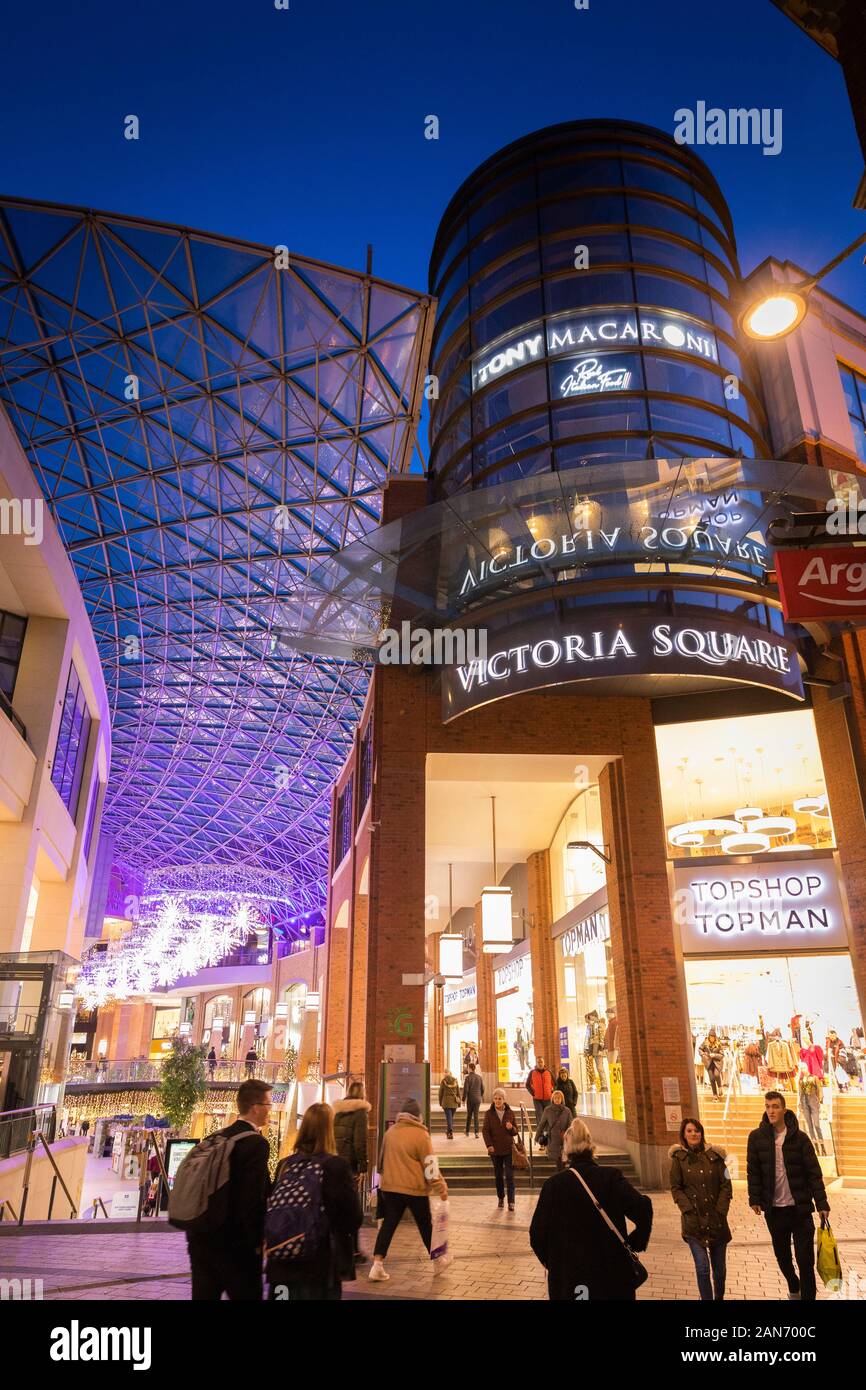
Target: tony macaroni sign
x=552, y=651
x=762, y=906
x=585, y=335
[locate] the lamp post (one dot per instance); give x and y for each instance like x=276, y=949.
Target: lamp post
x=777, y=313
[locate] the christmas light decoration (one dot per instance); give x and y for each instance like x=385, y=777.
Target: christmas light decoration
x=191, y=918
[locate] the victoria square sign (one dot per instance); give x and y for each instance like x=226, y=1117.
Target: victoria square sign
x=551, y=651
x=587, y=335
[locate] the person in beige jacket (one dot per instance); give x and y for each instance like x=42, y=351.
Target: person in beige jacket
x=408, y=1173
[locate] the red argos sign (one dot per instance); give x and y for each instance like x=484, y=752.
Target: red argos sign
x=825, y=583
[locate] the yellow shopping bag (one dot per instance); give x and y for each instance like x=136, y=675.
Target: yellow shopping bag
x=829, y=1267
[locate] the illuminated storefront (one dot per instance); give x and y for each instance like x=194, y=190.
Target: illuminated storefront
x=515, y=1026
x=459, y=1006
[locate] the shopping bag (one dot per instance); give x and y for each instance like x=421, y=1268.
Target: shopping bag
x=519, y=1156
x=439, y=1239
x=829, y=1266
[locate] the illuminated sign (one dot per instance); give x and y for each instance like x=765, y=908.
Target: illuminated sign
x=461, y=1000
x=643, y=541
x=609, y=328
x=511, y=975
x=762, y=906
x=552, y=651
x=594, y=928
x=823, y=583
x=590, y=374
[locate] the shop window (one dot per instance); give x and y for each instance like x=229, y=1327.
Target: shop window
x=71, y=748
x=759, y=775
x=588, y=1024
x=366, y=765
x=854, y=387
x=12, y=630
x=520, y=309
x=343, y=826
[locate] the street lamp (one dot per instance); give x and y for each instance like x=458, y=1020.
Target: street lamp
x=776, y=313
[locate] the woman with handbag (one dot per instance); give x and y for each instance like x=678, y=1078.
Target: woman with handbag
x=553, y=1126
x=579, y=1228
x=500, y=1132
x=702, y=1190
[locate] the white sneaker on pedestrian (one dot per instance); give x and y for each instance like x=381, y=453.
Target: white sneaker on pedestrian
x=378, y=1273
x=440, y=1265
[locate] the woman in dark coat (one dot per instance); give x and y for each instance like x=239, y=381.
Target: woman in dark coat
x=351, y=1122
x=499, y=1133
x=702, y=1190
x=565, y=1084
x=555, y=1120
x=319, y=1278
x=582, y=1256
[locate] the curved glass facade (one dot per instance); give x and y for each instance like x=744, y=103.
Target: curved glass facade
x=584, y=277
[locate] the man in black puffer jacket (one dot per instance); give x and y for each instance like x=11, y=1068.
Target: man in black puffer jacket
x=785, y=1180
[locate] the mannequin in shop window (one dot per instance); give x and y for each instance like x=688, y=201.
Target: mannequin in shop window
x=593, y=1051
x=810, y=1089
x=782, y=1060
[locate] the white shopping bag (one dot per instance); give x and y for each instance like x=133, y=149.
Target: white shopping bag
x=439, y=1241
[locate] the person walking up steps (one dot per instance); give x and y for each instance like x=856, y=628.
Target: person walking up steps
x=449, y=1100
x=409, y=1172
x=785, y=1181
x=500, y=1131
x=473, y=1095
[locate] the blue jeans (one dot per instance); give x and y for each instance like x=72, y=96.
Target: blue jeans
x=449, y=1118
x=704, y=1258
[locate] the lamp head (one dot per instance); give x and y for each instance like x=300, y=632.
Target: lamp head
x=776, y=314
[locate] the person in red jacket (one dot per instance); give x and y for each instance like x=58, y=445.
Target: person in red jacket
x=539, y=1084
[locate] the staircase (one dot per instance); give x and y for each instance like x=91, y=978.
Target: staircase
x=746, y=1112
x=473, y=1172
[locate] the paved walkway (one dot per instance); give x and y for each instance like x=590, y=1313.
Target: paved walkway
x=492, y=1249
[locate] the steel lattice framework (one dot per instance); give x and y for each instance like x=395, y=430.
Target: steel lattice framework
x=207, y=424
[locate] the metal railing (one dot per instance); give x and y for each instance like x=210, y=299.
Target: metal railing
x=526, y=1129
x=16, y=1127
x=105, y=1073
x=14, y=1019
x=6, y=707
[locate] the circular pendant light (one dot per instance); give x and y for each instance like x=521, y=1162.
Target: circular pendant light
x=682, y=836
x=748, y=813
x=773, y=826
x=811, y=805
x=745, y=842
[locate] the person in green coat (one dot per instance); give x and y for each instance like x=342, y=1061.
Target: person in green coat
x=351, y=1124
x=449, y=1099
x=701, y=1188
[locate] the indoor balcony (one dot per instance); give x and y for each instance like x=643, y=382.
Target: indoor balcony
x=17, y=764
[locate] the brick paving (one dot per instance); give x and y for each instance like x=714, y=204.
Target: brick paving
x=493, y=1259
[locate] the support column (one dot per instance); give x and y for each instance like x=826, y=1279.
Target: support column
x=358, y=995
x=435, y=1012
x=335, y=1047
x=487, y=1045
x=544, y=1000
x=840, y=733
x=395, y=1008
x=653, y=1034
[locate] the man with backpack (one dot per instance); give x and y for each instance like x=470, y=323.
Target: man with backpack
x=219, y=1198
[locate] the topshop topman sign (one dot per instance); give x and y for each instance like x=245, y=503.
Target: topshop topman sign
x=549, y=651
x=587, y=334
x=762, y=906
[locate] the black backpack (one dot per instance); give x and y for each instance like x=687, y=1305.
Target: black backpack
x=296, y=1226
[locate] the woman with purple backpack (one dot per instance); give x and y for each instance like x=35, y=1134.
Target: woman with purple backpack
x=313, y=1215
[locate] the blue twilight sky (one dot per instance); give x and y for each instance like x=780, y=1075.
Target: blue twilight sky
x=305, y=126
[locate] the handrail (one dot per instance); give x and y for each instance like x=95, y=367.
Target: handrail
x=524, y=1126
x=4, y=1203
x=57, y=1173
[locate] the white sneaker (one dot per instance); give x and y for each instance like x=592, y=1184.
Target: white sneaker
x=442, y=1263
x=378, y=1273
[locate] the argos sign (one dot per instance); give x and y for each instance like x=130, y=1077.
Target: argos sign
x=825, y=583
